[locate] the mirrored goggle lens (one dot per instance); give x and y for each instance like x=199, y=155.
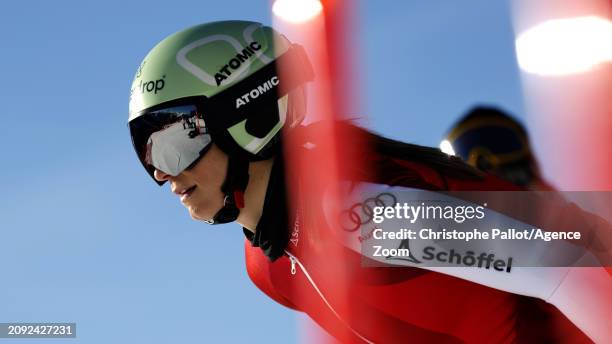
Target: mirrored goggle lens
x=170, y=139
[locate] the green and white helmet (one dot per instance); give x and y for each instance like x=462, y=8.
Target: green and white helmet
x=216, y=82
x=226, y=73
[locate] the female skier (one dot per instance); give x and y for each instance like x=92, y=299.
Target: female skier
x=206, y=111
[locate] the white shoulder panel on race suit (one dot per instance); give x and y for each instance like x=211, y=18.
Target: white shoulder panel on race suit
x=557, y=271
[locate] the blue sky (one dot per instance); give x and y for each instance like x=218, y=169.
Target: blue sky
x=86, y=237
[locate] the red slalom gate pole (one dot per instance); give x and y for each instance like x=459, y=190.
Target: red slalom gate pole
x=570, y=108
x=325, y=152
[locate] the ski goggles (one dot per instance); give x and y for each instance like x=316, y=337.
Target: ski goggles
x=171, y=137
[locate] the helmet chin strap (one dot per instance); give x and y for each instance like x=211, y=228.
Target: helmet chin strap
x=236, y=180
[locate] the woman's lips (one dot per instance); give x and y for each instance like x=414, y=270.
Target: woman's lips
x=187, y=193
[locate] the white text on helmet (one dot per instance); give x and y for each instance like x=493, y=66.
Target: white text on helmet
x=256, y=92
x=236, y=61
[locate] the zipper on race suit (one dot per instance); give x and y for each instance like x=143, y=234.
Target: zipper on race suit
x=294, y=261
x=293, y=269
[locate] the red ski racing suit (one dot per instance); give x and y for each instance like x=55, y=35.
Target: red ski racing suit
x=389, y=304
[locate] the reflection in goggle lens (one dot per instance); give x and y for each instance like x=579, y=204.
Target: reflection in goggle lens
x=170, y=139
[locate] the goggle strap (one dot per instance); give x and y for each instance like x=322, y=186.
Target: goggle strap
x=236, y=180
x=237, y=176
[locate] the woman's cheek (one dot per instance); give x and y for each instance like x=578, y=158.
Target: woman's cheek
x=206, y=204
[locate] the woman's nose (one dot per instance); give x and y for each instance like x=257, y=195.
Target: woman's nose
x=161, y=176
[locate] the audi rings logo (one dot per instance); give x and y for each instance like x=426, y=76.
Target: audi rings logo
x=361, y=213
